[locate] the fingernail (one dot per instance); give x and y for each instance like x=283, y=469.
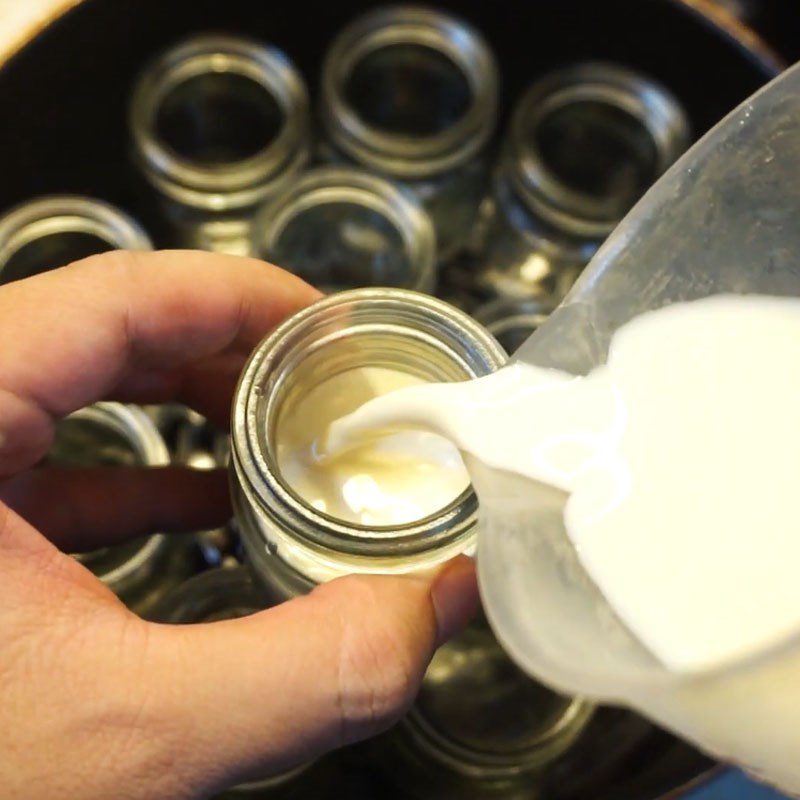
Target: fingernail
x=455, y=597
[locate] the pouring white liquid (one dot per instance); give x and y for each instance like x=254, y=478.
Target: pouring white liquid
x=680, y=457
x=401, y=479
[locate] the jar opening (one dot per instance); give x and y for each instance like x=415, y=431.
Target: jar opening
x=409, y=92
x=597, y=149
x=341, y=228
x=343, y=245
x=219, y=123
x=588, y=141
x=408, y=89
x=218, y=118
x=334, y=379
x=50, y=251
x=478, y=712
x=55, y=230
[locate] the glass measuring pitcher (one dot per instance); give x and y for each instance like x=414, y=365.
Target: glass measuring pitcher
x=723, y=219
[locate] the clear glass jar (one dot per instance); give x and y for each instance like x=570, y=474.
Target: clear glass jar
x=411, y=93
x=219, y=124
x=290, y=544
x=479, y=727
x=113, y=434
x=222, y=594
x=583, y=145
x=55, y=230
x=512, y=320
x=342, y=228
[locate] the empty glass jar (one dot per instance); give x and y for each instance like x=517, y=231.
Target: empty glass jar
x=219, y=123
x=342, y=228
x=411, y=93
x=479, y=726
x=291, y=544
x=117, y=435
x=56, y=230
x=511, y=320
x=583, y=145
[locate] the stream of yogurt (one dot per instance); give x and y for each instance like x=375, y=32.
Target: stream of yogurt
x=679, y=457
x=398, y=479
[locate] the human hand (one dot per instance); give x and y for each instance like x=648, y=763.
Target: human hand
x=97, y=703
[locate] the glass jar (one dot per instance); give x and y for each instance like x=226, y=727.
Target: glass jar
x=512, y=320
x=411, y=93
x=223, y=594
x=219, y=124
x=479, y=727
x=117, y=435
x=583, y=145
x=55, y=230
x=290, y=544
x=342, y=228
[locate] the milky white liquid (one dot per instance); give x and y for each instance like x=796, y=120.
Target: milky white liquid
x=401, y=479
x=680, y=457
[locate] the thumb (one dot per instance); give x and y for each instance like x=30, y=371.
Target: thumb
x=260, y=694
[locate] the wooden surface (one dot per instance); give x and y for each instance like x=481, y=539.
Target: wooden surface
x=20, y=20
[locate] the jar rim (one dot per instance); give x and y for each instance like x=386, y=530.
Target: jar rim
x=543, y=742
x=643, y=99
x=473, y=763
x=55, y=214
x=331, y=184
x=215, y=590
x=504, y=308
x=506, y=314
x=259, y=475
x=405, y=156
x=237, y=183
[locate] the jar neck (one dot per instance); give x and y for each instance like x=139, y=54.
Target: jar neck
x=223, y=173
x=387, y=146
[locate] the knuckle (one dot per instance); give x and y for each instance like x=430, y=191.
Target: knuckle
x=122, y=261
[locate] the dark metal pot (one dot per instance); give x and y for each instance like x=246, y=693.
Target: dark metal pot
x=64, y=99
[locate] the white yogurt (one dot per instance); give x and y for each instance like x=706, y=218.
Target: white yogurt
x=401, y=479
x=681, y=457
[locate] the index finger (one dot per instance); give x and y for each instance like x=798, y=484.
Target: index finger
x=70, y=336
